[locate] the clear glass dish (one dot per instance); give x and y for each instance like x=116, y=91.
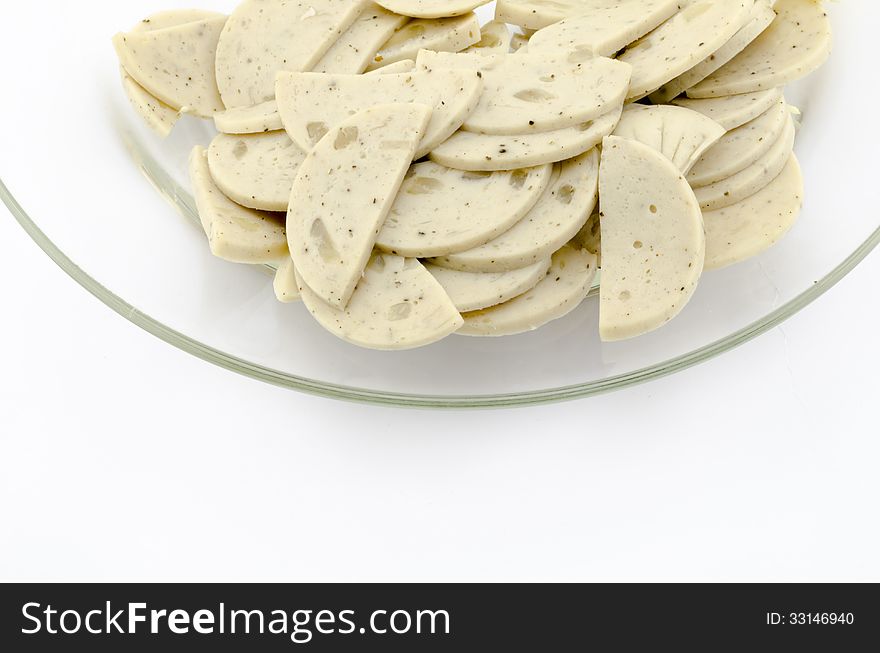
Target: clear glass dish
x=76, y=167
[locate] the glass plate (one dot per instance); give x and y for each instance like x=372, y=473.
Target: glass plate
x=76, y=167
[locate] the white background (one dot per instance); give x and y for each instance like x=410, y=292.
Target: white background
x=123, y=459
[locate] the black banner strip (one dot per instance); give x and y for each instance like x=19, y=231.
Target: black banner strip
x=410, y=618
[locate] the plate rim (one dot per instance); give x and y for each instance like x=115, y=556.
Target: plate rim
x=323, y=389
x=454, y=402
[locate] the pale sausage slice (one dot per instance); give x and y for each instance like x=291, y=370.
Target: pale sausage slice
x=265, y=37
x=683, y=41
x=284, y=285
x=536, y=92
x=264, y=117
x=235, y=233
x=397, y=305
x=749, y=181
x=160, y=117
x=745, y=229
x=741, y=147
x=653, y=244
x=440, y=210
x=495, y=38
x=590, y=238
x=173, y=18
x=536, y=14
x=565, y=287
x=355, y=49
x=441, y=35
x=474, y=291
x=796, y=44
x=312, y=103
x=431, y=8
x=603, y=27
x=256, y=170
x=403, y=66
x=343, y=193
x=735, y=110
x=176, y=64
x=470, y=151
x=519, y=43
x=681, y=135
x=555, y=219
x=762, y=17
x=259, y=118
